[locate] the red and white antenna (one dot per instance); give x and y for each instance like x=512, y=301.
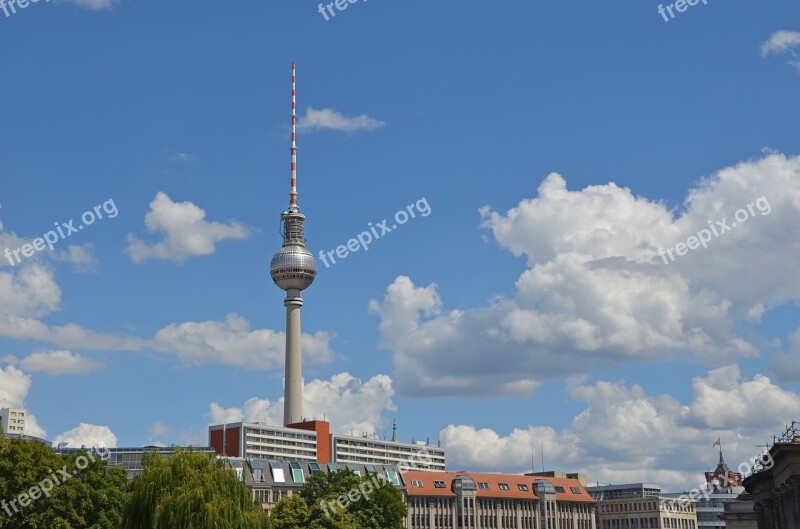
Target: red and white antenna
x=293, y=194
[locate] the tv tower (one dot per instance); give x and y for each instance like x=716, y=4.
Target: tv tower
x=293, y=269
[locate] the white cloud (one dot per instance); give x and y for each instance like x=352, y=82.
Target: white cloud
x=159, y=429
x=596, y=292
x=723, y=399
x=327, y=118
x=345, y=401
x=14, y=388
x=787, y=364
x=30, y=290
x=81, y=256
x=233, y=342
x=781, y=41
x=186, y=232
x=181, y=157
x=626, y=435
x=95, y=5
x=88, y=435
x=58, y=363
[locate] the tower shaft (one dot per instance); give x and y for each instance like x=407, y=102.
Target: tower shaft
x=293, y=397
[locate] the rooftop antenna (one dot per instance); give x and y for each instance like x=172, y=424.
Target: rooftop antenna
x=533, y=470
x=394, y=430
x=541, y=449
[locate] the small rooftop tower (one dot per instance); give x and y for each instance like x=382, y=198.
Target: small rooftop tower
x=293, y=269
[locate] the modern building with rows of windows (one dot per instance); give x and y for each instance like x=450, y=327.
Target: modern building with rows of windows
x=311, y=441
x=641, y=506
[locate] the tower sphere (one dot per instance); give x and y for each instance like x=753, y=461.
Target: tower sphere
x=293, y=267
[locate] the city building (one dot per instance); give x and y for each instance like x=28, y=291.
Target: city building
x=255, y=440
x=371, y=449
x=270, y=481
x=438, y=500
x=776, y=488
x=130, y=458
x=740, y=513
x=640, y=506
x=311, y=441
x=556, y=474
x=12, y=420
x=441, y=500
x=722, y=486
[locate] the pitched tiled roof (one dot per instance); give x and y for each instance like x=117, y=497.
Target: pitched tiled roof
x=494, y=481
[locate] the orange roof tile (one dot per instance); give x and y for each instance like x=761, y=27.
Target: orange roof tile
x=494, y=480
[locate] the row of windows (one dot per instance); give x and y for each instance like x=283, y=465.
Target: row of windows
x=485, y=486
x=648, y=523
x=629, y=507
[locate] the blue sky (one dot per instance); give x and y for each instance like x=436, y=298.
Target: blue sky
x=558, y=147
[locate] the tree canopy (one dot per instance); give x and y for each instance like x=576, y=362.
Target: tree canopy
x=190, y=490
x=341, y=500
x=40, y=489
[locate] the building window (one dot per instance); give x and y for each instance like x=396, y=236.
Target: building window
x=503, y=486
x=439, y=484
x=416, y=483
x=522, y=487
x=575, y=490
x=483, y=485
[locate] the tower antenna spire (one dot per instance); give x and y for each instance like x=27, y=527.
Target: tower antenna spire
x=293, y=193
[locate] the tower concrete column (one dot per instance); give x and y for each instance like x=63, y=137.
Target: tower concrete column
x=293, y=395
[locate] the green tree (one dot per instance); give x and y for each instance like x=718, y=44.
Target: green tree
x=190, y=490
x=58, y=494
x=290, y=513
x=375, y=507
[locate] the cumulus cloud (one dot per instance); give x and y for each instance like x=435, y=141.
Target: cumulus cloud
x=345, y=401
x=181, y=157
x=158, y=429
x=627, y=435
x=327, y=118
x=58, y=363
x=781, y=42
x=30, y=290
x=88, y=435
x=787, y=364
x=185, y=230
x=233, y=342
x=95, y=5
x=14, y=388
x=82, y=256
x=596, y=292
